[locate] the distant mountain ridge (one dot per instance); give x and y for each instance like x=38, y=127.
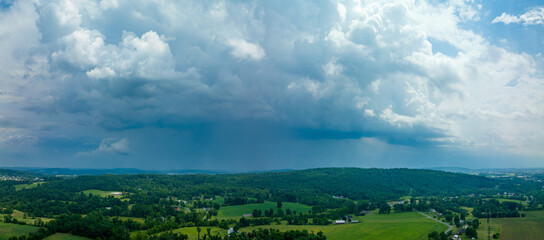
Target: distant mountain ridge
x=353, y=183
x=292, y=185
x=452, y=169
x=482, y=170
x=19, y=173
x=91, y=171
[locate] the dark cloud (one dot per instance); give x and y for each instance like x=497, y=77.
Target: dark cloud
x=258, y=85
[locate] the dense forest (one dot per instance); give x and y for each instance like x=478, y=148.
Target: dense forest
x=314, y=187
x=353, y=183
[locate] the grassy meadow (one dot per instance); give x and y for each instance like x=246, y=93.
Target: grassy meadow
x=25, y=186
x=64, y=236
x=219, y=200
x=140, y=220
x=20, y=216
x=530, y=227
x=8, y=230
x=193, y=233
x=99, y=192
x=238, y=211
x=408, y=225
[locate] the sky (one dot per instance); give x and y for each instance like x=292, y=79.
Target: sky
x=261, y=85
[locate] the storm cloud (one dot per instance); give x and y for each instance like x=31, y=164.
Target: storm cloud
x=252, y=85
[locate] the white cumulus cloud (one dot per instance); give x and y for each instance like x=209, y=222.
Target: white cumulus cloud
x=110, y=146
x=147, y=56
x=242, y=49
x=532, y=17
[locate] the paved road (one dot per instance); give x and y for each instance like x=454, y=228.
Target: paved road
x=450, y=226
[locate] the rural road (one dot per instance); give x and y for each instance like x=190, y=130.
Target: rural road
x=450, y=226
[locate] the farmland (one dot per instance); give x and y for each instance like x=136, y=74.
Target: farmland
x=64, y=236
x=193, y=233
x=20, y=216
x=409, y=225
x=238, y=211
x=27, y=186
x=99, y=192
x=531, y=227
x=8, y=230
x=172, y=206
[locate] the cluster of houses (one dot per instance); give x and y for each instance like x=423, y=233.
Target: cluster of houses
x=395, y=202
x=344, y=220
x=17, y=178
x=231, y=230
x=434, y=211
x=459, y=232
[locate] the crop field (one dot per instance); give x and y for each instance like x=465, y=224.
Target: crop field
x=238, y=211
x=531, y=227
x=407, y=226
x=8, y=230
x=25, y=186
x=65, y=236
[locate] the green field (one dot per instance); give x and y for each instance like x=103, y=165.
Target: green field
x=409, y=225
x=390, y=217
x=64, y=236
x=20, y=216
x=192, y=231
x=99, y=192
x=238, y=211
x=501, y=200
x=218, y=199
x=25, y=186
x=140, y=220
x=531, y=227
x=8, y=230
